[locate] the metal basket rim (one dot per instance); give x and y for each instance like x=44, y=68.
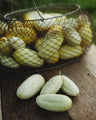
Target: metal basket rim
x=77, y=8
x=23, y=69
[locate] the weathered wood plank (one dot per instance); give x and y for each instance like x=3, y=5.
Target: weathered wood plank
x=84, y=106
x=82, y=72
x=0, y=107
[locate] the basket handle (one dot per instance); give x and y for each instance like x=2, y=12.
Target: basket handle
x=42, y=18
x=73, y=2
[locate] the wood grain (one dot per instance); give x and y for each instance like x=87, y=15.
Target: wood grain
x=82, y=72
x=0, y=107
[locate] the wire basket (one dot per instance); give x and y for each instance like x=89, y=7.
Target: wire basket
x=44, y=37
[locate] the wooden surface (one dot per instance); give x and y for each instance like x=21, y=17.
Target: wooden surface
x=0, y=108
x=82, y=72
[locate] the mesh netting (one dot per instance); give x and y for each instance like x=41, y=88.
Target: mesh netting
x=31, y=42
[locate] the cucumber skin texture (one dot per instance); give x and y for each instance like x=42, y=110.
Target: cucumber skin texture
x=54, y=102
x=30, y=86
x=52, y=86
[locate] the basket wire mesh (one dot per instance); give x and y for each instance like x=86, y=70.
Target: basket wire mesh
x=44, y=37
